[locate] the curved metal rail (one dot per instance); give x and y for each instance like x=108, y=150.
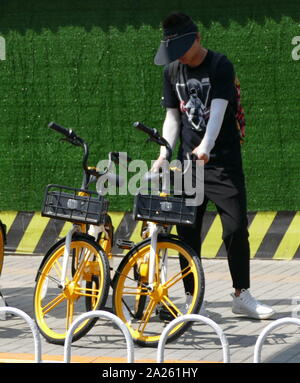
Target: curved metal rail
x=33, y=327
x=193, y=318
x=263, y=335
x=99, y=314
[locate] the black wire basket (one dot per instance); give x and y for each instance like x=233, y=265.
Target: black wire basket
x=165, y=210
x=74, y=205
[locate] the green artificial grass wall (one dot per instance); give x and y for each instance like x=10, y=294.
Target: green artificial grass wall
x=88, y=65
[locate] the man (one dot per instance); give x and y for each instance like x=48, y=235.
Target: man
x=211, y=134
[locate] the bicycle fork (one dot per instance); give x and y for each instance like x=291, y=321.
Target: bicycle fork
x=154, y=230
x=67, y=252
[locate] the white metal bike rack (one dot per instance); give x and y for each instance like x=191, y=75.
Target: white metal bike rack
x=193, y=318
x=2, y=304
x=263, y=335
x=99, y=314
x=33, y=327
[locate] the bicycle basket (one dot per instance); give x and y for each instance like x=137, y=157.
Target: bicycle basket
x=166, y=210
x=63, y=202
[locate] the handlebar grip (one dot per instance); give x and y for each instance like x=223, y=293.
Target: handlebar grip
x=116, y=157
x=191, y=157
x=145, y=129
x=60, y=129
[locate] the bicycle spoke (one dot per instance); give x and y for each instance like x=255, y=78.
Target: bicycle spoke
x=46, y=276
x=93, y=292
x=178, y=277
x=170, y=304
x=70, y=313
x=131, y=279
x=136, y=291
x=81, y=267
x=52, y=304
x=58, y=269
x=146, y=316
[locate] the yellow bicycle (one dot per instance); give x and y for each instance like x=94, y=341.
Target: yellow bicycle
x=74, y=275
x=150, y=282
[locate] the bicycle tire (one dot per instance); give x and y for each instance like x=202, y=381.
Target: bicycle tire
x=146, y=329
x=55, y=315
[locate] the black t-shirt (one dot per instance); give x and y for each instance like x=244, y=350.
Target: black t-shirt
x=192, y=93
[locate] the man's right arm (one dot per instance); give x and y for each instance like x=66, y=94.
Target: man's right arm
x=171, y=125
x=170, y=129
x=170, y=132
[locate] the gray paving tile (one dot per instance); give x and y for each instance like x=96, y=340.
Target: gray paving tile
x=273, y=282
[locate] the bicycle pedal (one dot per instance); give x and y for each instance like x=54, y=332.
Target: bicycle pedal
x=124, y=244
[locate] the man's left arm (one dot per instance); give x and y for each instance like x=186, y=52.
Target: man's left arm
x=217, y=112
x=222, y=93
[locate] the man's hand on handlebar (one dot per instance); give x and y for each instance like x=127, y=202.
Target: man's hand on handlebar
x=157, y=164
x=200, y=155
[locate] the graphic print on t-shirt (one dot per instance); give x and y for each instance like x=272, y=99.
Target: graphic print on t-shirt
x=194, y=101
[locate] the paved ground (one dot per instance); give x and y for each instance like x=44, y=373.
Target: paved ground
x=273, y=282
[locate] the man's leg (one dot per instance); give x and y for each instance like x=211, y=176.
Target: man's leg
x=238, y=250
x=226, y=189
x=230, y=200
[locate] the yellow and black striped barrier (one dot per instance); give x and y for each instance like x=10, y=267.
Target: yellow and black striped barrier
x=273, y=235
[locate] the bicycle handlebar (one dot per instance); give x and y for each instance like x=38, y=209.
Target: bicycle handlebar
x=155, y=137
x=150, y=131
x=60, y=129
x=89, y=173
x=116, y=157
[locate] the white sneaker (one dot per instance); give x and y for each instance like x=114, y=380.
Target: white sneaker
x=202, y=310
x=247, y=305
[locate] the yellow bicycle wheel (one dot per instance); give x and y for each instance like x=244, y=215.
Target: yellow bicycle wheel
x=86, y=288
x=145, y=309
